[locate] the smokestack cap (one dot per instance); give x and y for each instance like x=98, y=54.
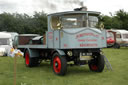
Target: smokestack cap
x=83, y=8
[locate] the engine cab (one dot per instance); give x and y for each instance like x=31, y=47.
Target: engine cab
x=75, y=29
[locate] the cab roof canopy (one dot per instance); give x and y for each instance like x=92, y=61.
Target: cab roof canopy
x=74, y=12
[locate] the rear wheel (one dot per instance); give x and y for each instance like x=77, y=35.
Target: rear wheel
x=116, y=45
x=59, y=64
x=30, y=62
x=97, y=64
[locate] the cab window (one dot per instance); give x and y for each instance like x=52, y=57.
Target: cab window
x=55, y=21
x=73, y=21
x=92, y=20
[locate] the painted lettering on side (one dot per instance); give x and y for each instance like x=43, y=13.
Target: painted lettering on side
x=102, y=38
x=65, y=45
x=88, y=45
x=86, y=34
x=50, y=35
x=87, y=40
x=56, y=38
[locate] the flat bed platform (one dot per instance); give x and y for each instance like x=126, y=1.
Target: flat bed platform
x=33, y=46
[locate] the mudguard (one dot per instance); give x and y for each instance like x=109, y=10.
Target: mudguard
x=61, y=52
x=32, y=53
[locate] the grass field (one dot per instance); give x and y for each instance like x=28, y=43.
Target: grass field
x=76, y=75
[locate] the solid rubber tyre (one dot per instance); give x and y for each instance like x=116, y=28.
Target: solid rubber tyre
x=59, y=64
x=116, y=45
x=30, y=62
x=97, y=64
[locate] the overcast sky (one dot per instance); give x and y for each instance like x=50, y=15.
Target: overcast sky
x=51, y=6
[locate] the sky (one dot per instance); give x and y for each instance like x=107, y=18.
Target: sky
x=52, y=6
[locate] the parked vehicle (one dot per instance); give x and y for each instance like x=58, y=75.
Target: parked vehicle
x=13, y=34
x=121, y=38
x=5, y=43
x=111, y=38
x=23, y=39
x=36, y=40
x=71, y=36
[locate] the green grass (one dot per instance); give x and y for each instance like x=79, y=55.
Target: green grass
x=76, y=75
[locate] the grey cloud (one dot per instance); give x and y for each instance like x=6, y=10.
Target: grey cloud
x=7, y=5
x=57, y=5
x=53, y=6
x=73, y=1
x=48, y=6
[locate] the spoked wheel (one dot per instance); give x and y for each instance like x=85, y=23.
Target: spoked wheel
x=97, y=64
x=59, y=64
x=30, y=62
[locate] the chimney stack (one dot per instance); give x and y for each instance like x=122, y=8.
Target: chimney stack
x=83, y=8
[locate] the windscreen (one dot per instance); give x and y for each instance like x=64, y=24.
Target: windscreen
x=79, y=21
x=74, y=21
x=93, y=21
x=4, y=41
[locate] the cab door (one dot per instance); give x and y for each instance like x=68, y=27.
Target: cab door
x=56, y=40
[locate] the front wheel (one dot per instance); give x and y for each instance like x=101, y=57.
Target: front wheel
x=30, y=62
x=59, y=64
x=97, y=64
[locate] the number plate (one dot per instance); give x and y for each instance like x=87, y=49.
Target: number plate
x=85, y=57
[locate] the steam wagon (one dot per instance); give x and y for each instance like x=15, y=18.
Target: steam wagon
x=72, y=36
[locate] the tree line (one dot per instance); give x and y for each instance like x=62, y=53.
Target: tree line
x=37, y=24
x=23, y=23
x=119, y=20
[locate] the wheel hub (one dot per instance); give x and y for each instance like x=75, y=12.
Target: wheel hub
x=94, y=67
x=57, y=64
